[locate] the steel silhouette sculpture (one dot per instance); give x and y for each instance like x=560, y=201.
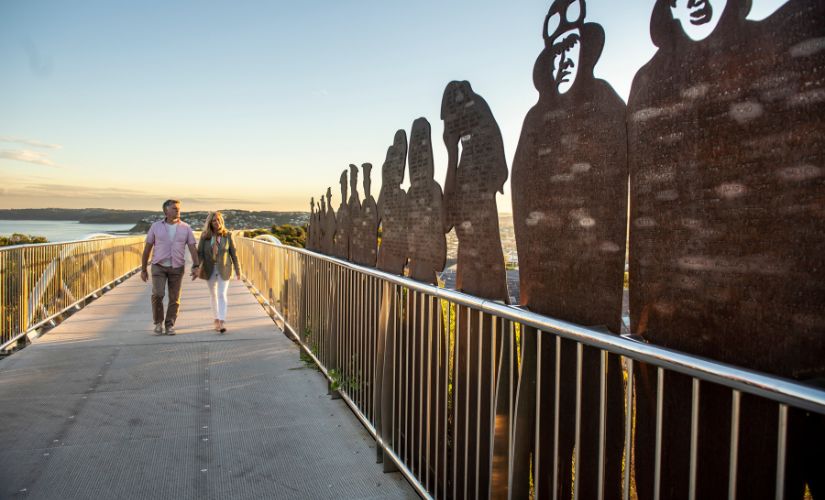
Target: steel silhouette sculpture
x=356, y=237
x=312, y=230
x=343, y=223
x=476, y=170
x=726, y=164
x=392, y=258
x=369, y=222
x=569, y=214
x=426, y=241
x=328, y=225
x=427, y=255
x=392, y=208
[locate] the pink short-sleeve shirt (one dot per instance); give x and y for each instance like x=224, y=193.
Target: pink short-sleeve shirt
x=164, y=248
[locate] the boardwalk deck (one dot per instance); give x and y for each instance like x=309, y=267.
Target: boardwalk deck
x=100, y=408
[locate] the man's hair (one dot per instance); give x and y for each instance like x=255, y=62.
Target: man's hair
x=169, y=203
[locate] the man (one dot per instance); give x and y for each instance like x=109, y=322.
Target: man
x=168, y=237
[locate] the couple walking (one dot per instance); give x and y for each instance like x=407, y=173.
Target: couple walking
x=213, y=260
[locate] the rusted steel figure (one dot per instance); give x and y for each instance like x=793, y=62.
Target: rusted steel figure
x=569, y=212
x=356, y=236
x=312, y=229
x=726, y=151
x=343, y=223
x=369, y=221
x=427, y=243
x=392, y=258
x=392, y=208
x=473, y=178
x=476, y=170
x=428, y=252
x=327, y=224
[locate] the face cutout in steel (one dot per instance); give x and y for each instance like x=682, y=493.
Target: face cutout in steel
x=562, y=34
x=698, y=18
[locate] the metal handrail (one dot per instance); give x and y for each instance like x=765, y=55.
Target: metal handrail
x=462, y=419
x=41, y=282
x=760, y=384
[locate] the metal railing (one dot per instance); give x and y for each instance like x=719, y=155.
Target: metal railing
x=474, y=399
x=40, y=282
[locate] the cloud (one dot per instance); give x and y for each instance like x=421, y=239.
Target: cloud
x=29, y=142
x=27, y=156
x=63, y=191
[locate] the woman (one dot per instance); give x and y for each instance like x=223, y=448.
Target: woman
x=215, y=250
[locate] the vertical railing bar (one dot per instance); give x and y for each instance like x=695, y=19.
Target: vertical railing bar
x=446, y=398
x=491, y=424
x=456, y=357
x=657, y=472
x=627, y=429
x=537, y=437
x=429, y=389
x=556, y=407
x=407, y=416
x=362, y=315
x=393, y=417
x=467, y=399
x=781, y=451
x=577, y=445
x=736, y=399
x=602, y=420
x=694, y=438
x=513, y=366
x=479, y=383
x=418, y=370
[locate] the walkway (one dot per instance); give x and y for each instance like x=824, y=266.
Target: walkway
x=100, y=408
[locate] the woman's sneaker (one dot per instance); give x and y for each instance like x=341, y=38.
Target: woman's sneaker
x=158, y=328
x=170, y=330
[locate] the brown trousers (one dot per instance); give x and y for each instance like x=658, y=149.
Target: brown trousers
x=161, y=276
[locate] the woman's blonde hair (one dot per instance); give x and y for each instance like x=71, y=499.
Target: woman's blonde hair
x=207, y=227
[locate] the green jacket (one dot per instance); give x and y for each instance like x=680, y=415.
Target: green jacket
x=226, y=251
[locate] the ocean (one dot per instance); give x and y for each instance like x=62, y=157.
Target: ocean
x=60, y=230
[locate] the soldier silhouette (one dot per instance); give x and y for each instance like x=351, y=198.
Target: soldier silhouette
x=369, y=220
x=392, y=208
x=327, y=224
x=356, y=239
x=312, y=229
x=476, y=170
x=569, y=213
x=343, y=223
x=474, y=175
x=427, y=244
x=726, y=235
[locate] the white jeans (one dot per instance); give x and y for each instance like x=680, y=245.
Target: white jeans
x=217, y=289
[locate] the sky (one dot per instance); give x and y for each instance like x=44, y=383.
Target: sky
x=259, y=105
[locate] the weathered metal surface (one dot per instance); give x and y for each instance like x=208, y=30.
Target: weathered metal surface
x=356, y=237
x=328, y=225
x=427, y=243
x=368, y=241
x=392, y=208
x=314, y=227
x=343, y=223
x=725, y=128
x=476, y=170
x=569, y=214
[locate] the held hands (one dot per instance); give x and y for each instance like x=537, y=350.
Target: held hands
x=194, y=273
